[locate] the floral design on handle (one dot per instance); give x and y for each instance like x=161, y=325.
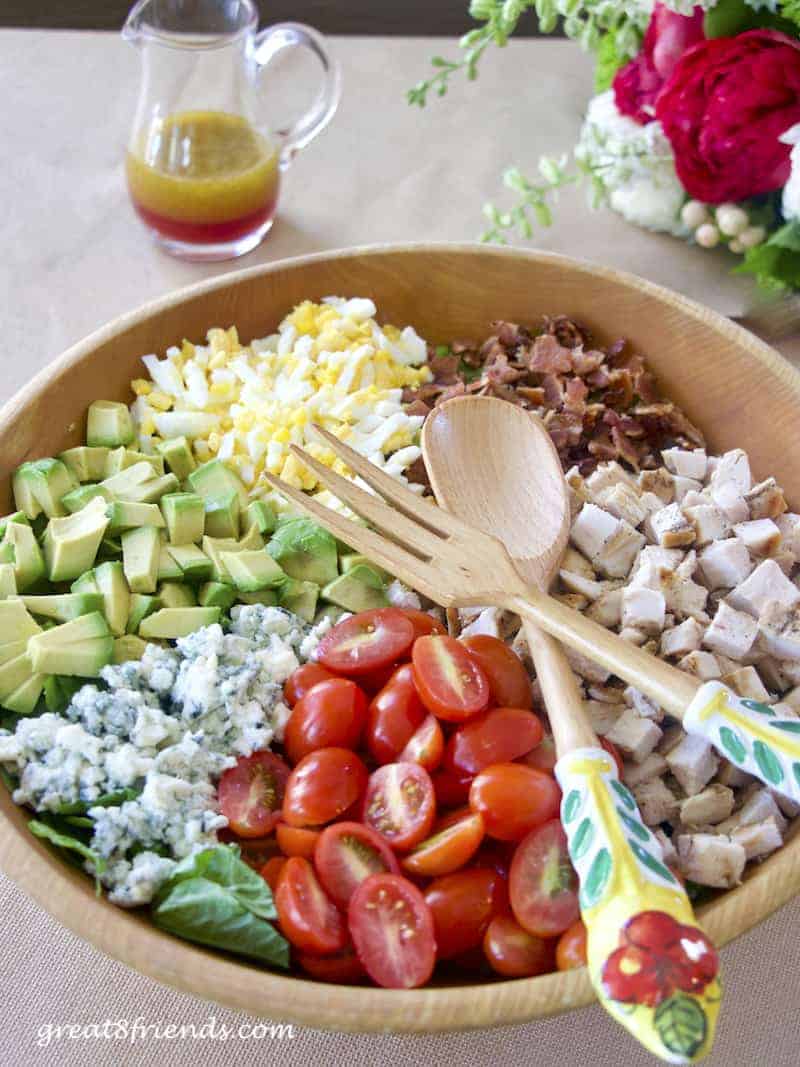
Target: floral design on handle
x=750, y=735
x=654, y=970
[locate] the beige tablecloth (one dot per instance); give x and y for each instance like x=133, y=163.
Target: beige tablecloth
x=73, y=256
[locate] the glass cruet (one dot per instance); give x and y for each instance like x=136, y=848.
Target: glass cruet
x=205, y=156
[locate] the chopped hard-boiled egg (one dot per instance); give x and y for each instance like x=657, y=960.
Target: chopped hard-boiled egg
x=329, y=363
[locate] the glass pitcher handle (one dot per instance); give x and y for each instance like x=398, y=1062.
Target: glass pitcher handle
x=278, y=38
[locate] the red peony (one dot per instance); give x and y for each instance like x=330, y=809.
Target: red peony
x=724, y=108
x=668, y=36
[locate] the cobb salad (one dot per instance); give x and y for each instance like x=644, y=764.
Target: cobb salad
x=227, y=717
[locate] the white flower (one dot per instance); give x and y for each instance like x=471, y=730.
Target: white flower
x=635, y=166
x=686, y=7
x=791, y=191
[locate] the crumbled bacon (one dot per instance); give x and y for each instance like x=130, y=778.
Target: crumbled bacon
x=597, y=403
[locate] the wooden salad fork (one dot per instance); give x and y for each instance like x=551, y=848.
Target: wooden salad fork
x=455, y=565
x=638, y=918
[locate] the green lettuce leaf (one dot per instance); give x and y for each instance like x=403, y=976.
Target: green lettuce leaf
x=215, y=899
x=51, y=831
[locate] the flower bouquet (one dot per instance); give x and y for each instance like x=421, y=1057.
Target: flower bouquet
x=694, y=131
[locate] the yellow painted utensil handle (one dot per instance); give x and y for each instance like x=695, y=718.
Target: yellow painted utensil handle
x=653, y=969
x=750, y=735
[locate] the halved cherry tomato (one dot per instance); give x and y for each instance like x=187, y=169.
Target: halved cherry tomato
x=343, y=968
x=463, y=905
x=392, y=930
x=331, y=714
x=296, y=840
x=423, y=623
x=612, y=750
x=304, y=678
x=542, y=883
x=306, y=915
x=571, y=947
x=322, y=786
x=425, y=746
x=374, y=681
x=451, y=846
x=251, y=793
x=394, y=715
x=271, y=870
x=513, y=798
x=451, y=789
x=543, y=757
x=366, y=641
x=255, y=850
x=508, y=680
x=450, y=683
x=400, y=804
x=498, y=736
x=515, y=953
x=346, y=854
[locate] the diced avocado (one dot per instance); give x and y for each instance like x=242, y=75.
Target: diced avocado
x=178, y=456
x=127, y=648
x=151, y=491
x=222, y=515
x=7, y=554
x=176, y=595
x=77, y=499
x=40, y=485
x=71, y=544
x=252, y=571
x=215, y=479
x=300, y=598
x=263, y=596
x=14, y=673
x=125, y=515
x=110, y=548
x=23, y=700
x=80, y=648
x=252, y=541
x=185, y=517
x=141, y=607
x=116, y=597
x=353, y=593
x=177, y=622
x=29, y=564
x=169, y=569
x=305, y=551
x=86, y=464
x=8, y=583
x=353, y=559
x=140, y=556
x=217, y=595
x=329, y=611
x=120, y=484
x=119, y=459
x=18, y=516
x=213, y=548
x=12, y=650
x=194, y=563
x=109, y=423
x=63, y=606
x=87, y=583
x=262, y=515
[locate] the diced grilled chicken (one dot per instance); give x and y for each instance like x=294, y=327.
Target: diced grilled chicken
x=761, y=536
x=660, y=482
x=669, y=527
x=610, y=543
x=703, y=665
x=653, y=766
x=746, y=682
x=644, y=609
x=711, y=859
x=731, y=632
x=710, y=522
x=767, y=583
x=657, y=803
x=730, y=500
x=687, y=464
x=607, y=609
x=779, y=630
x=624, y=501
x=732, y=468
x=710, y=806
x=667, y=848
x=634, y=735
x=642, y=704
x=682, y=639
x=758, y=839
x=693, y=762
x=603, y=715
x=725, y=564
x=766, y=500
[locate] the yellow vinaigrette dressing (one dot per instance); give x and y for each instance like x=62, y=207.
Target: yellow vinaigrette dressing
x=203, y=177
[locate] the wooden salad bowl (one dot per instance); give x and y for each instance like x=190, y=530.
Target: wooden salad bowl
x=738, y=390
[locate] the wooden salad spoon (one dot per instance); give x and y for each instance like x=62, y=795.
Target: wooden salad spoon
x=494, y=466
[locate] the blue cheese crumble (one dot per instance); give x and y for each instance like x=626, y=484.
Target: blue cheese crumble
x=165, y=727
